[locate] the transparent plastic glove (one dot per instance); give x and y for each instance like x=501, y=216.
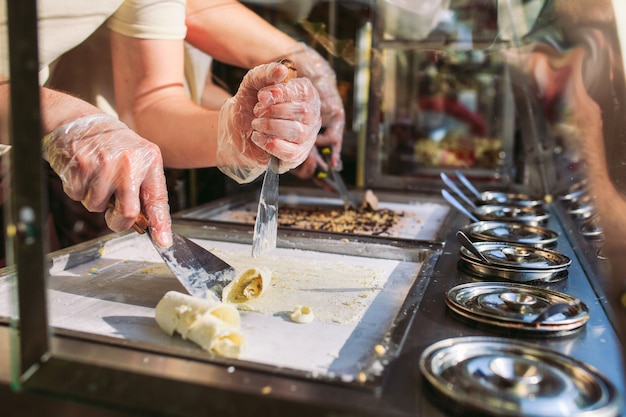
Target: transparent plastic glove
x=98, y=157
x=313, y=66
x=267, y=116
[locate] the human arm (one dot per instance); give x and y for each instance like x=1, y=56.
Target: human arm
x=99, y=159
x=150, y=97
x=253, y=41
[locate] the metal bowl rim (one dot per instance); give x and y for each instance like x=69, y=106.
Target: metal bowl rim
x=611, y=406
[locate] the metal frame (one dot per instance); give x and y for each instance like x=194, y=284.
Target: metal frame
x=28, y=208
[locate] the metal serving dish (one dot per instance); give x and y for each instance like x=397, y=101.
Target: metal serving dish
x=520, y=263
x=591, y=229
x=490, y=196
x=500, y=377
x=574, y=193
x=582, y=208
x=510, y=255
x=534, y=216
x=507, y=199
x=516, y=307
x=511, y=232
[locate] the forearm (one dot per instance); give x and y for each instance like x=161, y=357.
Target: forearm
x=4, y=110
x=185, y=132
x=213, y=96
x=58, y=108
x=151, y=99
x=266, y=116
x=249, y=42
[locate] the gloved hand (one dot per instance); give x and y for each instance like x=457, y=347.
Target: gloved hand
x=265, y=117
x=313, y=66
x=98, y=157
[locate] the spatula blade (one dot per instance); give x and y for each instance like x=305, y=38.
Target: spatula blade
x=202, y=273
x=266, y=223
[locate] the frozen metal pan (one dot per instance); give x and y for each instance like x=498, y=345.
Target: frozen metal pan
x=500, y=377
x=512, y=232
x=517, y=307
x=363, y=297
x=415, y=216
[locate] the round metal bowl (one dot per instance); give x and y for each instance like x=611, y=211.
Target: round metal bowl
x=500, y=377
x=507, y=199
x=514, y=262
x=591, y=229
x=516, y=256
x=511, y=232
x=574, y=193
x=515, y=275
x=517, y=307
x=534, y=216
x=581, y=209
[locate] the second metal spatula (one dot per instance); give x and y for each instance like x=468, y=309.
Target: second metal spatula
x=266, y=223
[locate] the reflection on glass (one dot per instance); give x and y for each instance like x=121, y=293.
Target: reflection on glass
x=443, y=110
x=444, y=98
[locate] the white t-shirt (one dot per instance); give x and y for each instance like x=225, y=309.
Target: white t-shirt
x=64, y=24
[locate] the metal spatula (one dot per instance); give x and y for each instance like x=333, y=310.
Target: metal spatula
x=266, y=223
x=202, y=273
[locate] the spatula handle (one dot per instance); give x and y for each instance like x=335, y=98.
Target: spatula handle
x=293, y=72
x=141, y=222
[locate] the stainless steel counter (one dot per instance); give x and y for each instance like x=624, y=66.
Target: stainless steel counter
x=129, y=376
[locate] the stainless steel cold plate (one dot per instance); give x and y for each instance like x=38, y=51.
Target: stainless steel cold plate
x=535, y=216
x=516, y=256
x=500, y=377
x=511, y=232
x=516, y=306
x=509, y=199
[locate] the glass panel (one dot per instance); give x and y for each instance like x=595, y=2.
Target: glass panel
x=442, y=109
x=445, y=99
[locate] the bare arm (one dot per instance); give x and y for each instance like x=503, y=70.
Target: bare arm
x=58, y=108
x=234, y=34
x=150, y=98
x=98, y=157
x=265, y=117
